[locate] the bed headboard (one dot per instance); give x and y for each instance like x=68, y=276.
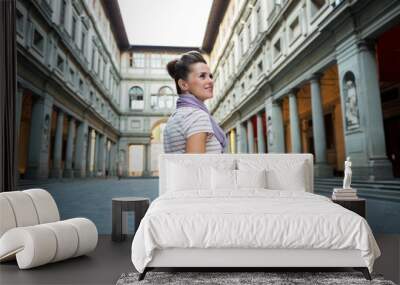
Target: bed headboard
x=208, y=158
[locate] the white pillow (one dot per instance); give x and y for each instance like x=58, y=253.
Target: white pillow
x=183, y=178
x=292, y=179
x=228, y=179
x=282, y=174
x=251, y=178
x=223, y=179
x=191, y=174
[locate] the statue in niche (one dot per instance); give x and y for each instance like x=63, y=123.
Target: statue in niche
x=351, y=111
x=46, y=131
x=270, y=131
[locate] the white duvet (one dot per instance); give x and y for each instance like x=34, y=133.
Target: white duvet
x=253, y=218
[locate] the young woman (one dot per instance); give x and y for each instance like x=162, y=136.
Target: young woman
x=191, y=128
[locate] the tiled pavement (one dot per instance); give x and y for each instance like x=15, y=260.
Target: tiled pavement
x=91, y=198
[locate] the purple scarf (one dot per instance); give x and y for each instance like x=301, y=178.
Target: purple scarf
x=189, y=100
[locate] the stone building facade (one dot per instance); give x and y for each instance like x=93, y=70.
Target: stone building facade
x=85, y=96
x=314, y=76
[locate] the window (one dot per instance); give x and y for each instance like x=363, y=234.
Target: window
x=259, y=20
x=165, y=58
x=20, y=22
x=81, y=85
x=155, y=61
x=62, y=12
x=83, y=40
x=38, y=41
x=241, y=44
x=277, y=49
x=294, y=30
x=249, y=33
x=232, y=61
x=315, y=6
x=166, y=97
x=130, y=59
x=60, y=63
x=103, y=75
x=93, y=54
x=154, y=101
x=136, y=98
x=98, y=64
x=260, y=67
x=138, y=60
x=73, y=30
x=72, y=76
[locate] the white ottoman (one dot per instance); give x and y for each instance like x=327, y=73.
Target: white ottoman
x=33, y=243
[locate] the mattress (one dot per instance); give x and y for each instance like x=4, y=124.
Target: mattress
x=251, y=219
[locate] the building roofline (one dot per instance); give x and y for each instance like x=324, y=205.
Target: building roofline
x=217, y=13
x=113, y=12
x=162, y=48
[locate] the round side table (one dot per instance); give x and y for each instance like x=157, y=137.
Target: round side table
x=120, y=206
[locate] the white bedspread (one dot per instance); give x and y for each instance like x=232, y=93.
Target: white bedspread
x=252, y=218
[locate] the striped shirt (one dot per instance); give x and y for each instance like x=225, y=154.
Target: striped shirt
x=183, y=123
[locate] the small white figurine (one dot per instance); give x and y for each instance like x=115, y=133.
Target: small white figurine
x=347, y=174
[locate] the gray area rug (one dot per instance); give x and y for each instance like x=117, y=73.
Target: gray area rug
x=225, y=278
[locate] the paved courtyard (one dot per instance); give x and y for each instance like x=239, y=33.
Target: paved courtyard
x=91, y=198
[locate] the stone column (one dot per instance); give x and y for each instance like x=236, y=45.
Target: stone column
x=89, y=172
x=81, y=150
x=146, y=160
x=321, y=167
x=228, y=142
x=363, y=127
x=250, y=135
x=123, y=157
x=101, y=167
x=39, y=138
x=260, y=134
x=68, y=171
x=112, y=165
x=233, y=141
x=56, y=170
x=18, y=107
x=96, y=153
x=294, y=123
x=107, y=163
x=241, y=137
x=275, y=131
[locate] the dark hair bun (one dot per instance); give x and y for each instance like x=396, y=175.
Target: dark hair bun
x=180, y=68
x=171, y=67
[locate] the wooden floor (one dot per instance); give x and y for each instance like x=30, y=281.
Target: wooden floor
x=103, y=266
x=111, y=259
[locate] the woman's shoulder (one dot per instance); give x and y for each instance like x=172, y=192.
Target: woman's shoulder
x=186, y=112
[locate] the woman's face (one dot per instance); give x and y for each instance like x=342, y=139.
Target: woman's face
x=199, y=82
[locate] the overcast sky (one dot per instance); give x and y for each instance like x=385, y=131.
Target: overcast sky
x=165, y=22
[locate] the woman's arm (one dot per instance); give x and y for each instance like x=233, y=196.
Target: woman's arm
x=196, y=143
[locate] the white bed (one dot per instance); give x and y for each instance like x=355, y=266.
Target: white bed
x=248, y=227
